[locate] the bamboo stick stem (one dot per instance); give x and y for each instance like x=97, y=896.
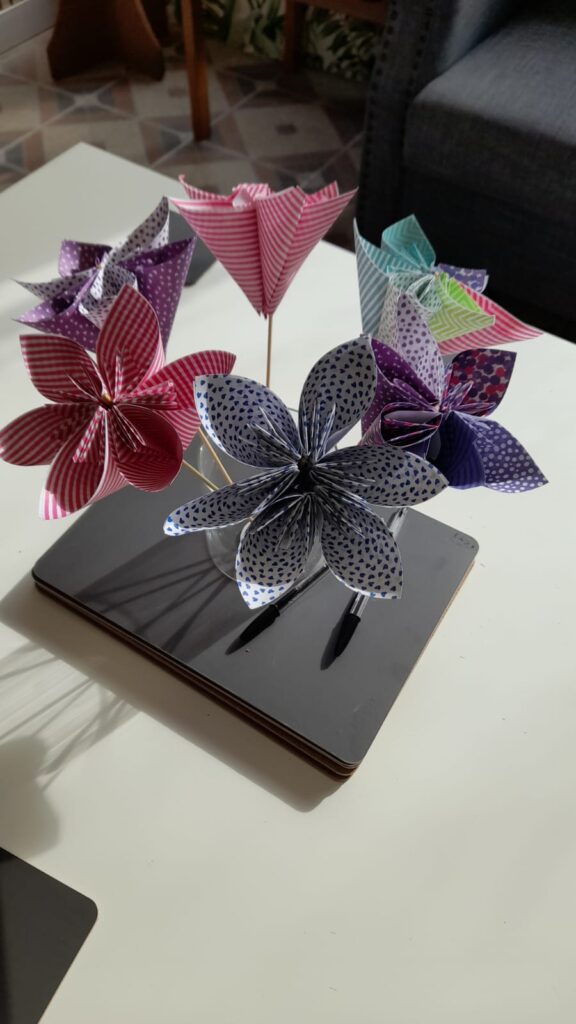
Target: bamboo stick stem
x=192, y=469
x=216, y=458
x=269, y=352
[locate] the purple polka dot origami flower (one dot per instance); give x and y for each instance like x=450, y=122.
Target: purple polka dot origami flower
x=76, y=303
x=440, y=412
x=306, y=491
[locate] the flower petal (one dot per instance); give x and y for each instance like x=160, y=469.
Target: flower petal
x=392, y=371
x=229, y=408
x=226, y=506
x=458, y=458
x=57, y=365
x=129, y=341
x=62, y=317
x=488, y=371
x=161, y=274
x=79, y=257
x=382, y=475
x=150, y=234
x=98, y=299
x=364, y=555
x=269, y=561
x=343, y=379
x=507, y=465
x=75, y=481
x=417, y=346
x=149, y=454
x=36, y=437
x=182, y=374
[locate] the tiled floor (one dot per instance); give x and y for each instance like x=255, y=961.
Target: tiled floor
x=267, y=125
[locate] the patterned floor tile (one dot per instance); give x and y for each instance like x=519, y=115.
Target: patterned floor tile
x=24, y=106
x=279, y=129
x=168, y=101
x=140, y=141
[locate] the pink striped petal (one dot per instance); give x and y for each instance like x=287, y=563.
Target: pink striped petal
x=72, y=481
x=60, y=369
x=152, y=462
x=181, y=374
x=505, y=328
x=278, y=221
x=35, y=438
x=231, y=234
x=316, y=219
x=129, y=347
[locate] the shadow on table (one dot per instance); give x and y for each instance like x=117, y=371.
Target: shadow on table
x=137, y=684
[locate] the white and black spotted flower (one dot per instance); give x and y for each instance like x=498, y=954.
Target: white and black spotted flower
x=306, y=491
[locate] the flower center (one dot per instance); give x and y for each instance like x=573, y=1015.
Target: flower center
x=305, y=467
x=106, y=400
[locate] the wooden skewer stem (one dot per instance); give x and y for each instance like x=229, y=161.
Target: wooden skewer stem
x=211, y=486
x=269, y=352
x=216, y=458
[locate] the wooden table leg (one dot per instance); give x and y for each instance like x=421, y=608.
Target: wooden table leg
x=196, y=67
x=293, y=27
x=86, y=34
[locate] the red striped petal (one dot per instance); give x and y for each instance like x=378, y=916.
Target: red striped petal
x=181, y=374
x=153, y=462
x=129, y=347
x=35, y=438
x=72, y=483
x=60, y=368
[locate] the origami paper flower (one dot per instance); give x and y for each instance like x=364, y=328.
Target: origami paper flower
x=305, y=491
x=120, y=418
x=91, y=276
x=449, y=298
x=434, y=411
x=262, y=237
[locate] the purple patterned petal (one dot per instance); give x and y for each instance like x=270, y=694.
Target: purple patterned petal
x=475, y=279
x=415, y=344
x=231, y=407
x=458, y=458
x=488, y=371
x=80, y=256
x=507, y=465
x=382, y=475
x=225, y=506
x=343, y=380
x=364, y=555
x=274, y=550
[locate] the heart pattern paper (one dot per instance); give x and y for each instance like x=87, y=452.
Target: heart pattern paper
x=119, y=417
x=259, y=236
x=76, y=303
x=450, y=298
x=305, y=490
x=440, y=412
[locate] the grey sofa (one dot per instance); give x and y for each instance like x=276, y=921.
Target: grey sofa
x=471, y=124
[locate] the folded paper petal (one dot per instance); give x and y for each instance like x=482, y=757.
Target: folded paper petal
x=268, y=560
x=364, y=555
x=504, y=327
x=383, y=475
x=75, y=481
x=77, y=258
x=488, y=373
x=129, y=348
x=230, y=409
x=98, y=299
x=343, y=380
x=393, y=371
x=506, y=464
x=60, y=369
x=472, y=278
x=458, y=458
x=459, y=311
x=151, y=459
x=227, y=505
x=262, y=238
x=36, y=437
x=181, y=374
x=414, y=342
x=161, y=275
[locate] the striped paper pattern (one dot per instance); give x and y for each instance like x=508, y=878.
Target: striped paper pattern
x=262, y=237
x=504, y=328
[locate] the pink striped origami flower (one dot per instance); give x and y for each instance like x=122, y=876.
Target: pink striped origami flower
x=120, y=417
x=262, y=237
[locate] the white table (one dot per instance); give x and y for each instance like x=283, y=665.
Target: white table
x=236, y=884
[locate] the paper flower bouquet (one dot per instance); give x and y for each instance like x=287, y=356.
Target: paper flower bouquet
x=118, y=414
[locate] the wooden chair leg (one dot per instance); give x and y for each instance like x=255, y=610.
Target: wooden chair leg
x=196, y=67
x=293, y=27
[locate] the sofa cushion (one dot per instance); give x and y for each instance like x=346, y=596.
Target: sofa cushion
x=502, y=121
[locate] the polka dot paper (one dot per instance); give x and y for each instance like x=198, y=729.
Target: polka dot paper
x=306, y=490
x=76, y=303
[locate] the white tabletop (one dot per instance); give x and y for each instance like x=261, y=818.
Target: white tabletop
x=237, y=884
